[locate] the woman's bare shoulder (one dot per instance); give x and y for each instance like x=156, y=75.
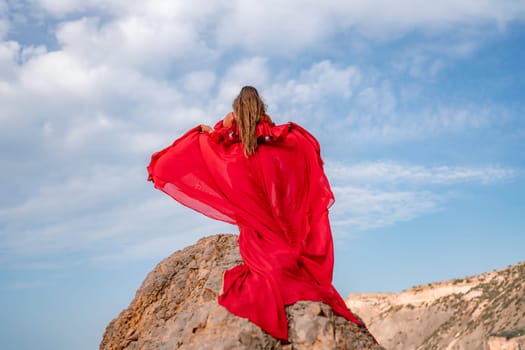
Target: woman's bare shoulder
x=228, y=119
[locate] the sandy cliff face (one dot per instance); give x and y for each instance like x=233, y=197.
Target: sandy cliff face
x=456, y=314
x=176, y=308
x=503, y=343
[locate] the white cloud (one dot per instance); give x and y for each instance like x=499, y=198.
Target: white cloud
x=88, y=102
x=9, y=51
x=100, y=211
x=284, y=27
x=377, y=98
x=365, y=208
x=61, y=7
x=44, y=74
x=379, y=117
x=428, y=59
x=249, y=71
x=377, y=15
x=131, y=40
x=370, y=195
x=84, y=192
x=276, y=26
x=393, y=172
x=199, y=82
x=162, y=246
x=4, y=27
x=152, y=9
x=4, y=20
x=321, y=80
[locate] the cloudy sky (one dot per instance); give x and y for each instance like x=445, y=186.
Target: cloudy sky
x=419, y=108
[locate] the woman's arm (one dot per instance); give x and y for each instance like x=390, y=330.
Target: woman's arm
x=226, y=122
x=206, y=128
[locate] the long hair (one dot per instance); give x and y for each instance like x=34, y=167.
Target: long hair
x=248, y=108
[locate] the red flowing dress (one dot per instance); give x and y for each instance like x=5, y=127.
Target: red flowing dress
x=279, y=197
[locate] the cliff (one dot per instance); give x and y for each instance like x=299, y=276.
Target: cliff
x=483, y=312
x=176, y=308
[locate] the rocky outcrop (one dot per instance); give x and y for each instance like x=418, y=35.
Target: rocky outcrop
x=457, y=314
x=176, y=308
x=505, y=343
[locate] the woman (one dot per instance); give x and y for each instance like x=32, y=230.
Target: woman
x=268, y=179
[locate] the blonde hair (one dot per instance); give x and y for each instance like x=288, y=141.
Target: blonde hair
x=248, y=108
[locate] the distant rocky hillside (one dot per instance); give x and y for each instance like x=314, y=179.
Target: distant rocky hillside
x=176, y=308
x=483, y=312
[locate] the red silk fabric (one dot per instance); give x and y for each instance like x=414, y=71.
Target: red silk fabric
x=279, y=197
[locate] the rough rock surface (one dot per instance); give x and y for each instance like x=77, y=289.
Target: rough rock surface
x=176, y=308
x=504, y=343
x=461, y=314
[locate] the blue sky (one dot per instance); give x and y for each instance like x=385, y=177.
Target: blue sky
x=419, y=109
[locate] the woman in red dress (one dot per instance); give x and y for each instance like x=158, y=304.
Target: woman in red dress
x=269, y=181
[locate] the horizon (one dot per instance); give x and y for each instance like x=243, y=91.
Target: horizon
x=419, y=111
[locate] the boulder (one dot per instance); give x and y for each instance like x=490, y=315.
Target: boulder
x=176, y=308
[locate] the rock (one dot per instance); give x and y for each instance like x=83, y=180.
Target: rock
x=478, y=312
x=176, y=308
x=502, y=343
